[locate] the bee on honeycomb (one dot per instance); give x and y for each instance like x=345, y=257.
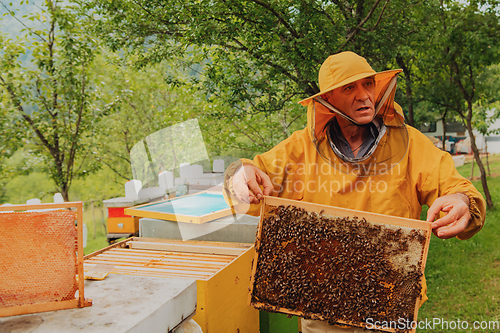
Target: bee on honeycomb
x=342, y=270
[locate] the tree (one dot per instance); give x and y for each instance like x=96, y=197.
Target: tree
x=464, y=44
x=49, y=100
x=259, y=57
x=137, y=103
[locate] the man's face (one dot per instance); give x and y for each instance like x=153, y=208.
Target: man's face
x=356, y=99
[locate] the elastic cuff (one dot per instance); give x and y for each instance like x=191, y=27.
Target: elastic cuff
x=475, y=223
x=473, y=210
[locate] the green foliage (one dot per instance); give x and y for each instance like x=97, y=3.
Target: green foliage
x=23, y=187
x=48, y=103
x=100, y=185
x=258, y=58
x=137, y=103
x=254, y=59
x=463, y=44
x=487, y=107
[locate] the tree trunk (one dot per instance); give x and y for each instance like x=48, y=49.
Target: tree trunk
x=64, y=192
x=487, y=160
x=443, y=139
x=103, y=220
x=93, y=216
x=477, y=157
x=472, y=169
x=408, y=82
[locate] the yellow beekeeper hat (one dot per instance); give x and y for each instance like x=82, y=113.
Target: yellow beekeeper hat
x=346, y=67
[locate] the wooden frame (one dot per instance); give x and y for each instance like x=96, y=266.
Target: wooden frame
x=51, y=306
x=144, y=256
x=221, y=269
x=136, y=211
x=338, y=212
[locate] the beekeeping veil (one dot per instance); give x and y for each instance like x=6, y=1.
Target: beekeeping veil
x=391, y=144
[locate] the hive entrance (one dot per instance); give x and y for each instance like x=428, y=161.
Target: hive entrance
x=343, y=270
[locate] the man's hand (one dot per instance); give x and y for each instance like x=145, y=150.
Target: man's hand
x=247, y=181
x=457, y=218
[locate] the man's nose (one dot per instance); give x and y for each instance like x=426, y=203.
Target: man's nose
x=361, y=94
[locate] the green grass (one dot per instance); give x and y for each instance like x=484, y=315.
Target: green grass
x=494, y=162
x=463, y=277
x=96, y=232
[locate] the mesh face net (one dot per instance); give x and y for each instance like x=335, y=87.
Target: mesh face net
x=390, y=147
x=37, y=257
x=342, y=270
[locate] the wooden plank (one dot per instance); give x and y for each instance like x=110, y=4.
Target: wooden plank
x=178, y=255
x=243, y=246
x=201, y=256
x=164, y=275
x=163, y=216
x=120, y=244
x=104, y=256
x=186, y=248
x=156, y=263
x=226, y=293
x=160, y=201
x=79, y=218
x=161, y=274
x=40, y=206
x=172, y=268
x=215, y=215
x=263, y=212
x=208, y=270
x=40, y=307
x=179, y=272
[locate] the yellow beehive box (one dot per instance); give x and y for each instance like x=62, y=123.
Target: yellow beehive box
x=123, y=225
x=222, y=271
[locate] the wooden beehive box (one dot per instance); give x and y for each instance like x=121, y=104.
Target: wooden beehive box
x=196, y=208
x=222, y=271
x=345, y=267
x=41, y=258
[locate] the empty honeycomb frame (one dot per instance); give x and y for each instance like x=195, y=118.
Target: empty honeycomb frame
x=41, y=258
x=195, y=208
x=338, y=265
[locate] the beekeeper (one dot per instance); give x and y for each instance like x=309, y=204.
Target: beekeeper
x=357, y=153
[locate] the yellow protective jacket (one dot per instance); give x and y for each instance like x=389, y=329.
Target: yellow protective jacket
x=299, y=172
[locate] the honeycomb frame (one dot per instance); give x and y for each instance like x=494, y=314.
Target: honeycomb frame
x=273, y=291
x=15, y=301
